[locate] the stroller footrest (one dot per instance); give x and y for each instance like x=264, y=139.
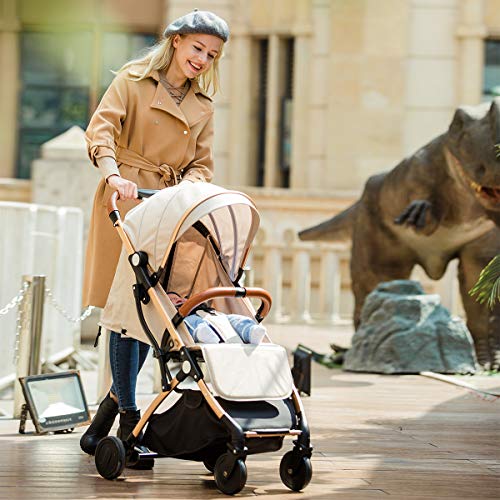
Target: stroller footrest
x=149, y=454
x=272, y=432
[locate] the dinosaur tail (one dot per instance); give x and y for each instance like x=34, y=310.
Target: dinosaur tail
x=338, y=228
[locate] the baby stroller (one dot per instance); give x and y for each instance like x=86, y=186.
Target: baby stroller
x=233, y=399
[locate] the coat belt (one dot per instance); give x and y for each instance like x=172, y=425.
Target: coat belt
x=132, y=159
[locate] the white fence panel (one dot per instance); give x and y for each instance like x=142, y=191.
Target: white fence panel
x=41, y=240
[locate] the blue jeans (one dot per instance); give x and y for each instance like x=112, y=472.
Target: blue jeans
x=126, y=356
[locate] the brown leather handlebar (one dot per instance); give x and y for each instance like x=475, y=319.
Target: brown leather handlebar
x=115, y=196
x=111, y=205
x=212, y=293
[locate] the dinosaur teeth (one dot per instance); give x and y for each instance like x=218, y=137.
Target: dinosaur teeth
x=477, y=188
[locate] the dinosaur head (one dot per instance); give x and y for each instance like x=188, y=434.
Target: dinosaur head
x=473, y=139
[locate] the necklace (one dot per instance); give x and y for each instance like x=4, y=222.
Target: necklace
x=177, y=93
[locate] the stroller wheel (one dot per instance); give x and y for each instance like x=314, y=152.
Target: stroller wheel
x=295, y=472
x=233, y=482
x=110, y=457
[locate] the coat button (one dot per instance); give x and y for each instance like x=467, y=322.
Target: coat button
x=185, y=132
x=159, y=102
x=157, y=122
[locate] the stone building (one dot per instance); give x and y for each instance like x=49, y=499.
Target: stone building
x=317, y=95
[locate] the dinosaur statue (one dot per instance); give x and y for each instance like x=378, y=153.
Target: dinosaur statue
x=439, y=204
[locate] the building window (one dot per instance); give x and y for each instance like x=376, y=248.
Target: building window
x=274, y=111
x=59, y=87
x=491, y=88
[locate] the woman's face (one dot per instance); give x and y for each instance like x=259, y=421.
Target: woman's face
x=194, y=54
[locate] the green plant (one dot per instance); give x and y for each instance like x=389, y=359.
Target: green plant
x=487, y=288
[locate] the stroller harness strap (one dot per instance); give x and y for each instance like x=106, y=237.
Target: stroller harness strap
x=220, y=324
x=168, y=173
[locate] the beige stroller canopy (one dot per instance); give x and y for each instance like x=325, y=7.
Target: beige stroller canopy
x=196, y=236
x=229, y=216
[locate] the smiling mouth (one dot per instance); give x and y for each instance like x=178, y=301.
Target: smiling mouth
x=194, y=67
x=491, y=194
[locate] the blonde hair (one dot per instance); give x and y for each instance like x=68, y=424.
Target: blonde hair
x=159, y=58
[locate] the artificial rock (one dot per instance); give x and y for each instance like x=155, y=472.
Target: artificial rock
x=404, y=330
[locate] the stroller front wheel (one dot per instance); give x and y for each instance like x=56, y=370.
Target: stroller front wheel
x=295, y=472
x=110, y=457
x=230, y=482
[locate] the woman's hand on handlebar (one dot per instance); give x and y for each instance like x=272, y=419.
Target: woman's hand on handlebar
x=126, y=189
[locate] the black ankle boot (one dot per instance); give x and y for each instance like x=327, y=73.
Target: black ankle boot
x=100, y=426
x=128, y=420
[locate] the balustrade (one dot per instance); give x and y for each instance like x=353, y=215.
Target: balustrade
x=306, y=280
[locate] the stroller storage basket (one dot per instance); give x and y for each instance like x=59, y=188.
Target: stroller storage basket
x=189, y=428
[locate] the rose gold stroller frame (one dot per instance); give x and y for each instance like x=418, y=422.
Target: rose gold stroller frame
x=176, y=349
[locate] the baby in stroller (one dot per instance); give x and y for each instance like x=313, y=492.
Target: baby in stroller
x=207, y=326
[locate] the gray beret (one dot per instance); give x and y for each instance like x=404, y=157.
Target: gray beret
x=199, y=21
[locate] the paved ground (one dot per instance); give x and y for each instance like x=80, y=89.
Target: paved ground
x=375, y=436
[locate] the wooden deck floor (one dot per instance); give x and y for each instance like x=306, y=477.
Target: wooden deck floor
x=374, y=436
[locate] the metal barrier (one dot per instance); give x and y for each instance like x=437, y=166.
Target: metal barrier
x=39, y=240
x=30, y=301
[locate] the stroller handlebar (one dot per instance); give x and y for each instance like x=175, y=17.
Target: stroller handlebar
x=114, y=213
x=146, y=193
x=239, y=292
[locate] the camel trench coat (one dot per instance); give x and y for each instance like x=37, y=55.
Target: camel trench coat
x=155, y=144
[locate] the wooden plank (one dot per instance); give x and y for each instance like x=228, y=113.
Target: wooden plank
x=374, y=436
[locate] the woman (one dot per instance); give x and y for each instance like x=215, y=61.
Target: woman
x=153, y=129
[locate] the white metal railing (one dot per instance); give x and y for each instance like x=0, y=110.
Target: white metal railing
x=41, y=240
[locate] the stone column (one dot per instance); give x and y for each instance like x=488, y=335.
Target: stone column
x=301, y=287
x=321, y=110
x=301, y=86
x=273, y=280
x=471, y=32
x=272, y=111
x=431, y=71
x=300, y=124
x=249, y=276
x=239, y=168
x=9, y=77
x=64, y=176
x=330, y=287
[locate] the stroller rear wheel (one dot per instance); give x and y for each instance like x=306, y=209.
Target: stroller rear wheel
x=230, y=482
x=295, y=471
x=110, y=457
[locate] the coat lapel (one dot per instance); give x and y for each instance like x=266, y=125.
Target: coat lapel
x=163, y=101
x=194, y=108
